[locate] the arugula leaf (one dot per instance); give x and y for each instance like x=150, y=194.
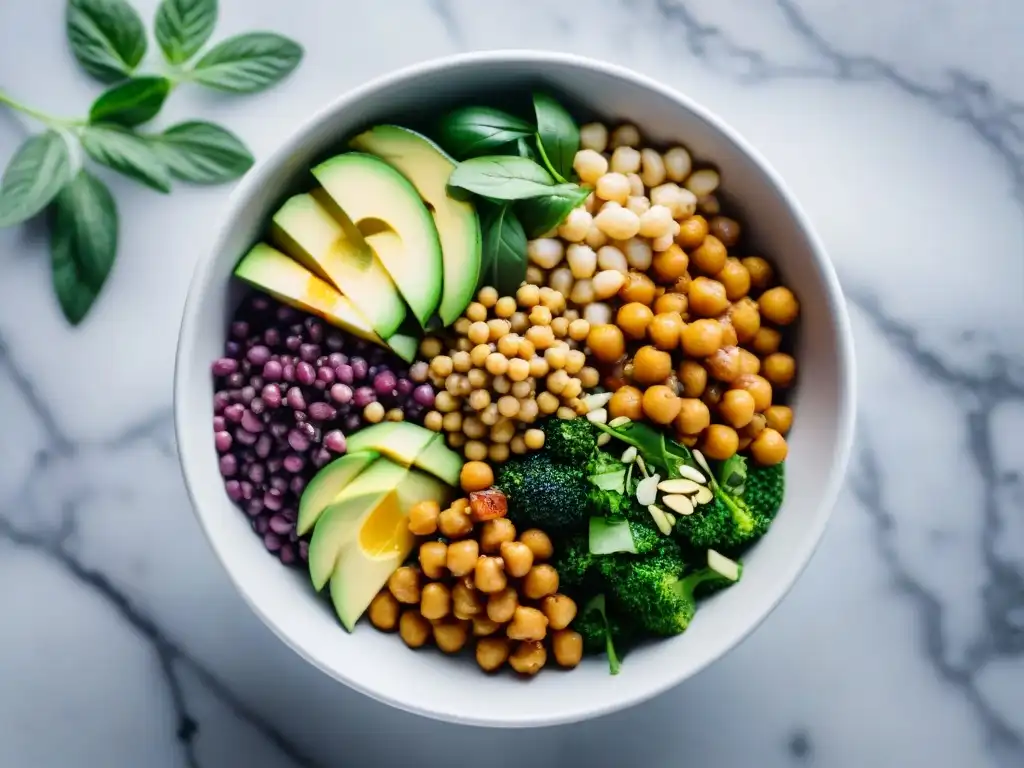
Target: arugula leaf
x=127, y=153
x=183, y=27
x=36, y=173
x=247, y=63
x=503, y=263
x=502, y=177
x=558, y=135
x=83, y=243
x=202, y=153
x=656, y=450
x=107, y=37
x=542, y=214
x=471, y=131
x=132, y=102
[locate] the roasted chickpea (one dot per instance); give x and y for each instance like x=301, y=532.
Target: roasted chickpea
x=693, y=377
x=761, y=273
x=538, y=542
x=766, y=341
x=779, y=368
x=735, y=278
x=606, y=343
x=707, y=297
x=651, y=365
x=494, y=532
x=527, y=624
x=528, y=658
x=778, y=305
x=729, y=338
x=769, y=447
x=749, y=362
x=758, y=386
x=413, y=628
x=627, y=401
x=462, y=556
x=383, y=611
x=435, y=601
x=709, y=256
x=492, y=652
x=724, y=364
x=484, y=626
x=433, y=557
x=661, y=404
x=694, y=416
x=713, y=394
x=779, y=418
x=666, y=329
x=633, y=319
x=671, y=302
x=560, y=610
x=567, y=646
x=489, y=574
x=423, y=517
x=745, y=318
x=692, y=232
x=451, y=635
x=682, y=285
x=404, y=584
x=670, y=264
x=501, y=605
x=702, y=338
x=518, y=558
x=454, y=523
x=467, y=601
x=720, y=442
x=725, y=229
x=736, y=407
x=638, y=287
x=476, y=476
x=540, y=581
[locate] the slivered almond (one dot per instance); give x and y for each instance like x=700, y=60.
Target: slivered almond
x=619, y=421
x=678, y=503
x=703, y=496
x=597, y=401
x=679, y=485
x=659, y=518
x=699, y=458
x=629, y=455
x=604, y=438
x=671, y=519
x=692, y=474
x=598, y=415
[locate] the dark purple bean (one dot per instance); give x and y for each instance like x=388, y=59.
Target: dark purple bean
x=352, y=422
x=260, y=303
x=335, y=359
x=254, y=507
x=299, y=416
x=274, y=465
x=271, y=396
x=279, y=525
x=271, y=541
x=256, y=382
x=335, y=441
x=236, y=380
x=245, y=437
x=258, y=355
x=413, y=411
x=335, y=341
x=247, y=490
x=298, y=441
x=278, y=430
x=325, y=375
x=247, y=456
x=228, y=465
x=295, y=399
x=223, y=441
x=246, y=395
x=273, y=500
x=304, y=373
x=321, y=457
x=363, y=397
x=404, y=387
x=360, y=368
x=257, y=473
x=221, y=400
x=252, y=423
x=297, y=485
x=304, y=550
x=287, y=554
x=341, y=393
x=278, y=484
x=297, y=329
x=311, y=432
x=219, y=423
x=234, y=490
x=239, y=329
x=264, y=446
x=285, y=314
x=384, y=383
x=309, y=352
x=293, y=343
x=235, y=395
x=315, y=329
x=321, y=412
x=319, y=385
x=344, y=373
x=294, y=463
x=260, y=525
x=257, y=406
x=288, y=372
x=272, y=337
x=424, y=395
x=224, y=366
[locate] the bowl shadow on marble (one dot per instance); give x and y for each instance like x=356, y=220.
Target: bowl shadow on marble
x=424, y=682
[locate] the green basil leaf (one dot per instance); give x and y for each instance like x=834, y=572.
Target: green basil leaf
x=472, y=131
x=502, y=177
x=183, y=27
x=83, y=243
x=127, y=153
x=559, y=136
x=504, y=251
x=542, y=214
x=202, y=153
x=247, y=63
x=106, y=36
x=40, y=167
x=132, y=102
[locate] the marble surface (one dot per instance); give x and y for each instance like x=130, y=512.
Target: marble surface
x=900, y=125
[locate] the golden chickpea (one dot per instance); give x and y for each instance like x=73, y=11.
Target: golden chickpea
x=404, y=584
x=492, y=652
x=737, y=407
x=479, y=332
x=749, y=362
x=758, y=386
x=451, y=635
x=693, y=377
x=505, y=306
x=638, y=287
x=729, y=337
x=725, y=229
x=761, y=273
x=682, y=285
x=627, y=401
x=713, y=394
x=661, y=404
x=534, y=438
x=589, y=377
x=540, y=315
x=753, y=429
x=633, y=319
x=507, y=345
x=540, y=336
x=575, y=361
x=538, y=542
x=497, y=328
x=606, y=343
x=547, y=403
x=456, y=440
x=462, y=557
x=495, y=532
x=528, y=296
x=724, y=365
x=651, y=365
x=452, y=422
x=528, y=658
x=671, y=264
x=433, y=421
x=707, y=297
x=694, y=416
x=779, y=418
x=560, y=610
x=423, y=517
x=383, y=611
x=501, y=605
x=692, y=232
x=735, y=278
x=433, y=557
x=488, y=296
x=435, y=601
x=745, y=318
x=414, y=630
x=769, y=447
x=484, y=626
x=720, y=442
x=497, y=453
x=540, y=581
x=467, y=602
x=476, y=476
x=454, y=524
x=779, y=368
x=560, y=327
x=709, y=256
x=671, y=302
x=702, y=338
x=567, y=647
x=431, y=347
x=489, y=574
x=442, y=366
x=519, y=322
x=778, y=305
x=666, y=329
x=527, y=624
x=766, y=341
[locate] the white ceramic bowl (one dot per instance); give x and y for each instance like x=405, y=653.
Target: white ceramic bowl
x=424, y=682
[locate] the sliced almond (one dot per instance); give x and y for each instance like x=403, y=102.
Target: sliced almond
x=642, y=465
x=699, y=458
x=659, y=518
x=703, y=496
x=604, y=438
x=692, y=474
x=629, y=455
x=678, y=503
x=597, y=401
x=671, y=519
x=619, y=421
x=679, y=485
x=598, y=415
x=647, y=490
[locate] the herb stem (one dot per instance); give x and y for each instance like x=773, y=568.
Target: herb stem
x=36, y=114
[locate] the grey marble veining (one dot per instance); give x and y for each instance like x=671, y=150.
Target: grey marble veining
x=901, y=128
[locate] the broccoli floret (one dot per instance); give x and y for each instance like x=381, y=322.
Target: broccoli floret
x=544, y=493
x=603, y=463
x=574, y=562
x=604, y=631
x=765, y=488
x=646, y=537
x=572, y=441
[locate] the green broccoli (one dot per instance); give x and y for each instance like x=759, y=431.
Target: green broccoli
x=544, y=493
x=765, y=488
x=573, y=561
x=603, y=631
x=572, y=441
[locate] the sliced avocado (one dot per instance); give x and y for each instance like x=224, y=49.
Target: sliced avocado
x=400, y=441
x=404, y=346
x=440, y=461
x=379, y=199
x=288, y=281
x=326, y=486
x=427, y=166
x=325, y=242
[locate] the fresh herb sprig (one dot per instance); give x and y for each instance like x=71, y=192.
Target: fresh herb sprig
x=522, y=170
x=109, y=41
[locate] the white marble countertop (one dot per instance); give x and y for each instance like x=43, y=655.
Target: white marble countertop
x=900, y=125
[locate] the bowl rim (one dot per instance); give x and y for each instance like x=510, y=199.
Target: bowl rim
x=834, y=295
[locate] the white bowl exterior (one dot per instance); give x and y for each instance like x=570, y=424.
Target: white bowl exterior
x=423, y=682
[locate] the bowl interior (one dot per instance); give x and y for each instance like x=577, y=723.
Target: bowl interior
x=423, y=682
